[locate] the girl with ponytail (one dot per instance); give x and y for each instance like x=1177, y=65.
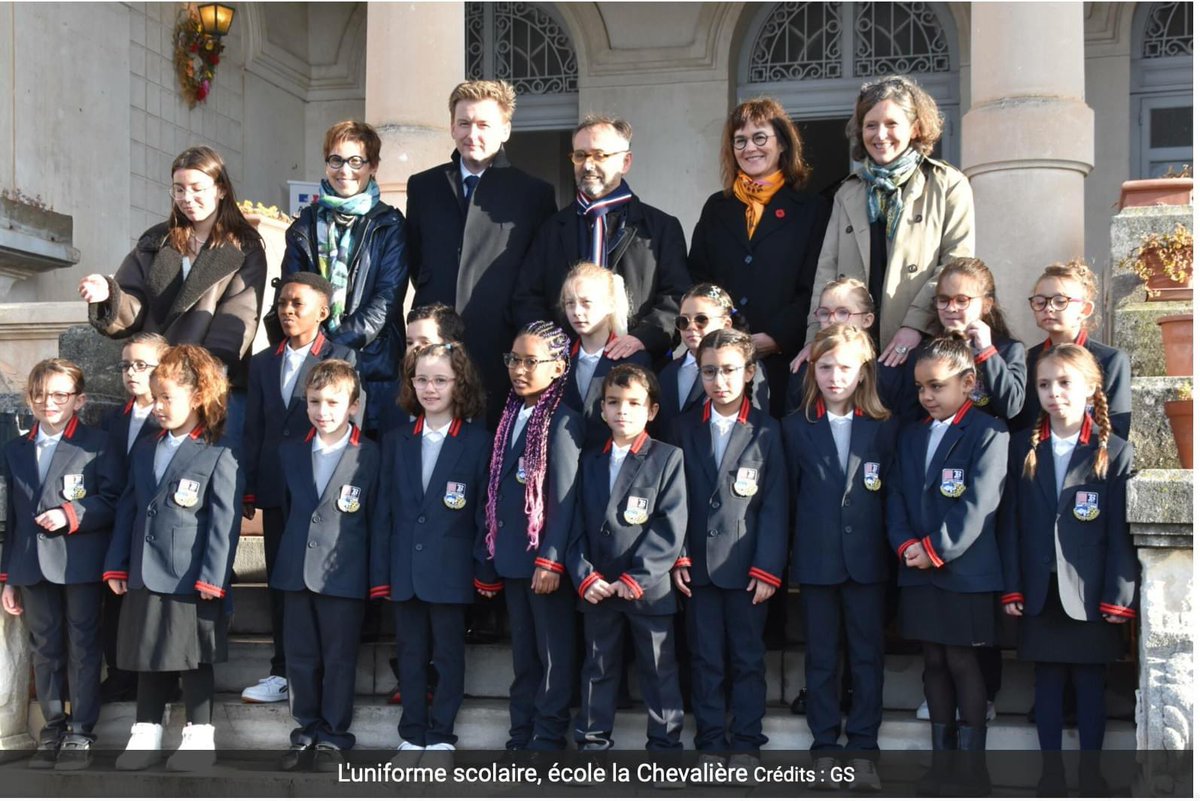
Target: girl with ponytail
x=1070, y=570
x=529, y=514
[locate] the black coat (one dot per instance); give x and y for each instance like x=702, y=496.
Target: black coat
x=468, y=258
x=651, y=257
x=769, y=276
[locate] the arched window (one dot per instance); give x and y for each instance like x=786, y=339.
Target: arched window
x=528, y=46
x=1161, y=89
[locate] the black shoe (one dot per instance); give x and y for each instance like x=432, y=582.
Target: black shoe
x=298, y=757
x=46, y=755
x=75, y=753
x=328, y=758
x=800, y=703
x=118, y=688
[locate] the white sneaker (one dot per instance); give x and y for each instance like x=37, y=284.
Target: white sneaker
x=923, y=710
x=823, y=771
x=866, y=778
x=270, y=690
x=405, y=745
x=407, y=755
x=144, y=747
x=435, y=747
x=197, y=749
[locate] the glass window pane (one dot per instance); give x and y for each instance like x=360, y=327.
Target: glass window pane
x=1171, y=127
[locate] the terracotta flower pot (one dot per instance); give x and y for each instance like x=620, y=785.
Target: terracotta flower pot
x=1179, y=413
x=1156, y=192
x=1160, y=286
x=1176, y=330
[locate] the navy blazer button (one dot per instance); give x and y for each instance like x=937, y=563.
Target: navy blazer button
x=749, y=259
x=712, y=532
x=316, y=518
x=421, y=519
x=151, y=512
x=287, y=432
x=312, y=544
x=42, y=537
x=715, y=504
x=149, y=538
x=420, y=547
x=499, y=524
x=744, y=301
x=848, y=529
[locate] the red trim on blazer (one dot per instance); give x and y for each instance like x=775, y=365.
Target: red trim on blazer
x=630, y=582
x=72, y=518
x=575, y=346
x=986, y=354
x=3, y=577
x=743, y=411
x=68, y=432
x=32, y=435
x=318, y=344
x=119, y=575
x=195, y=433
x=683, y=561
x=904, y=546
x=1085, y=431
x=486, y=587
x=821, y=409
x=249, y=499
x=546, y=564
x=382, y=591
x=634, y=447
x=419, y=426
x=1044, y=434
x=455, y=426
x=762, y=575
x=1119, y=611
x=1080, y=340
x=933, y=557
x=211, y=589
x=958, y=416
x=279, y=350
x=312, y=432
x=355, y=435
x=128, y=406
x=592, y=578
x=1012, y=598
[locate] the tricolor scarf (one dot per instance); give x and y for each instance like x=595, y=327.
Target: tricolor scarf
x=335, y=239
x=884, y=182
x=756, y=195
x=595, y=212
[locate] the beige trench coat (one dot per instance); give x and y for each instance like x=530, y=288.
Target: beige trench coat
x=938, y=223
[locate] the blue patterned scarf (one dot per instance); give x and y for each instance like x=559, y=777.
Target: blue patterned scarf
x=335, y=239
x=884, y=182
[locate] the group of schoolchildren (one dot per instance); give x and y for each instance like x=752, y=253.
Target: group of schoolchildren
x=605, y=489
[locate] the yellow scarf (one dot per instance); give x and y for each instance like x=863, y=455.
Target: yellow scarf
x=756, y=195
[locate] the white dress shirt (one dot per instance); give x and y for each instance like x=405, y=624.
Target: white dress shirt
x=839, y=425
x=585, y=368
x=519, y=425
x=47, y=444
x=937, y=430
x=1062, y=448
x=325, y=459
x=616, y=458
x=289, y=370
x=165, y=452
x=137, y=419
x=722, y=428
x=431, y=448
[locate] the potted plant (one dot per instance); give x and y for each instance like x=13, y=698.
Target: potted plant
x=1174, y=188
x=1176, y=330
x=1179, y=414
x=1163, y=261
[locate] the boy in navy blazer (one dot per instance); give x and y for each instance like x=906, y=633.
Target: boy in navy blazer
x=633, y=511
x=60, y=514
x=334, y=520
x=275, y=412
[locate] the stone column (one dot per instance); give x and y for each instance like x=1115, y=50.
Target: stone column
x=415, y=55
x=1027, y=143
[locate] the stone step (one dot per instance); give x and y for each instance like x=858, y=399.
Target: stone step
x=1150, y=430
x=1135, y=327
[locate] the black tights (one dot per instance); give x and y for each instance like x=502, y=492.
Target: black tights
x=953, y=679
x=154, y=689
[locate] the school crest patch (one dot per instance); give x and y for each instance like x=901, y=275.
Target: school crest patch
x=746, y=483
x=1087, y=506
x=637, y=510
x=871, y=478
x=952, y=483
x=349, y=498
x=979, y=397
x=456, y=495
x=521, y=477
x=187, y=493
x=72, y=487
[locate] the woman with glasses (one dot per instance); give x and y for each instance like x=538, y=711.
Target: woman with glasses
x=899, y=216
x=759, y=237
x=356, y=242
x=197, y=278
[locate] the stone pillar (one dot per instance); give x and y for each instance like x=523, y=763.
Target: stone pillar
x=416, y=53
x=1027, y=143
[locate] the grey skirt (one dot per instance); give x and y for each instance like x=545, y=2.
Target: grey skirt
x=170, y=632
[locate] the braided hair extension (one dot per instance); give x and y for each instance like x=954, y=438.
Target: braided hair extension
x=537, y=438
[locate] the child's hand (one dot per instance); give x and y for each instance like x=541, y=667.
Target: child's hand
x=980, y=334
x=208, y=596
x=1107, y=618
x=682, y=577
x=624, y=347
x=487, y=593
x=1015, y=609
x=762, y=591
x=916, y=557
x=623, y=590
x=801, y=358
x=599, y=590
x=544, y=581
x=248, y=511
x=118, y=586
x=11, y=600
x=52, y=519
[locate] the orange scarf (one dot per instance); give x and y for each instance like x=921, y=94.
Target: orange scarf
x=756, y=195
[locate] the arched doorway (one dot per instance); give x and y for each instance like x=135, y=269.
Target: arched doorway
x=1160, y=88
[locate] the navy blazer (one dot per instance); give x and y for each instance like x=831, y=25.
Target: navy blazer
x=595, y=430
x=431, y=546
x=1079, y=533
x=171, y=548
x=731, y=537
x=606, y=545
x=839, y=531
x=1000, y=390
x=73, y=554
x=117, y=450
x=663, y=425
x=513, y=559
x=270, y=422
x=896, y=387
x=958, y=533
x=326, y=549
x=1114, y=366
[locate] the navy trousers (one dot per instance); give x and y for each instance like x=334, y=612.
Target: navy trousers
x=425, y=632
x=64, y=632
x=543, y=654
x=320, y=640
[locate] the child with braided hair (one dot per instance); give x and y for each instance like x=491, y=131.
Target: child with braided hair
x=530, y=511
x=1070, y=570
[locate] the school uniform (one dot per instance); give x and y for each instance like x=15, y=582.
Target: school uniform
x=277, y=411
x=1000, y=390
x=584, y=391
x=945, y=500
x=633, y=517
x=58, y=572
x=175, y=535
x=681, y=394
x=436, y=499
x=542, y=626
x=896, y=387
x=335, y=520
x=1117, y=375
x=737, y=531
x=840, y=467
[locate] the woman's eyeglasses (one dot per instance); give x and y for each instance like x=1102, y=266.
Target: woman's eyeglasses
x=759, y=139
x=337, y=162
